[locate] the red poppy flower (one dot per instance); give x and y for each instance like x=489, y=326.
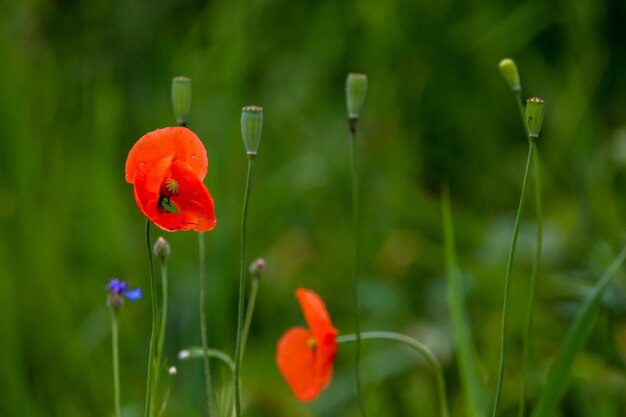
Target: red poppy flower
x=167, y=168
x=305, y=356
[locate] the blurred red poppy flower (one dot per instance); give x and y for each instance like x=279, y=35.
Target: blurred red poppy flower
x=167, y=168
x=305, y=356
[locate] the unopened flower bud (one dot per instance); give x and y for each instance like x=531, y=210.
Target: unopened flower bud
x=356, y=89
x=181, y=99
x=256, y=267
x=508, y=69
x=161, y=248
x=534, y=116
x=115, y=301
x=251, y=128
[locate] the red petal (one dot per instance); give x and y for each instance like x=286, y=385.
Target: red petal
x=296, y=361
x=179, y=143
x=315, y=313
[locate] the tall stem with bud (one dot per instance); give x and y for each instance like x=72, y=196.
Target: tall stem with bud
x=356, y=90
x=181, y=106
x=533, y=120
x=251, y=129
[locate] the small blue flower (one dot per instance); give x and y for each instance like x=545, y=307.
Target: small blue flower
x=118, y=291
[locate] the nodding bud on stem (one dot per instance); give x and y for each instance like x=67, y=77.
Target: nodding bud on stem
x=251, y=128
x=161, y=248
x=256, y=268
x=356, y=89
x=181, y=99
x=508, y=69
x=534, y=117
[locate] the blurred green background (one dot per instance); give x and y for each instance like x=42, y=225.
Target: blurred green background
x=82, y=81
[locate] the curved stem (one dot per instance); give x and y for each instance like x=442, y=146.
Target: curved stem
x=533, y=283
x=116, y=363
x=254, y=288
x=242, y=290
x=422, y=349
x=199, y=352
x=507, y=279
x=149, y=408
x=355, y=263
x=203, y=326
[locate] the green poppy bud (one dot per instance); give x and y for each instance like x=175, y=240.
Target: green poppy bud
x=534, y=116
x=356, y=89
x=508, y=69
x=161, y=248
x=251, y=128
x=181, y=99
x=256, y=268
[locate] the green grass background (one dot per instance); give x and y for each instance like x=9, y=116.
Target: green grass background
x=82, y=81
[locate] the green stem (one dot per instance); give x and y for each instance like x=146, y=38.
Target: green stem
x=199, y=352
x=355, y=263
x=116, y=363
x=507, y=279
x=533, y=284
x=522, y=110
x=536, y=262
x=254, y=288
x=150, y=394
x=203, y=326
x=428, y=355
x=166, y=397
x=163, y=322
x=242, y=289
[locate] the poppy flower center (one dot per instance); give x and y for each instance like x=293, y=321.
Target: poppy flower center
x=311, y=343
x=169, y=188
x=172, y=185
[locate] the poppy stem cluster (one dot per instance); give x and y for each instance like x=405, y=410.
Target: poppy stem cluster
x=532, y=120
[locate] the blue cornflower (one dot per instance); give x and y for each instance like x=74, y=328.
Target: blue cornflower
x=118, y=291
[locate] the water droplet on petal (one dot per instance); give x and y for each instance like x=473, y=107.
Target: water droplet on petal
x=193, y=156
x=141, y=163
